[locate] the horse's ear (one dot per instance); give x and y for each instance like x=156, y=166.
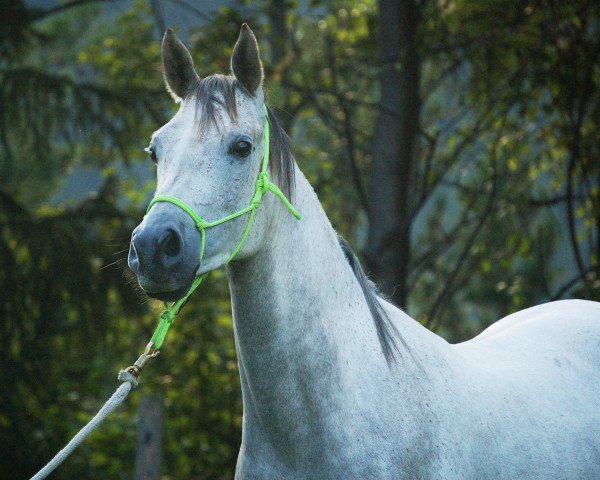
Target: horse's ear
x=178, y=66
x=245, y=61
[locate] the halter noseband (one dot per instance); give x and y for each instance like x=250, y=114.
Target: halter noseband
x=263, y=185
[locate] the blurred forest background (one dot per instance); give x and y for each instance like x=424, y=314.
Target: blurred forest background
x=453, y=142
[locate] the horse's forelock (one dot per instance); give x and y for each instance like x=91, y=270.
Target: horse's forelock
x=210, y=92
x=220, y=90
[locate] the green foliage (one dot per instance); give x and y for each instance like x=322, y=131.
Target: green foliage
x=518, y=90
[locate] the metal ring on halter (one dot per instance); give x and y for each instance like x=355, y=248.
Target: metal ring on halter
x=137, y=366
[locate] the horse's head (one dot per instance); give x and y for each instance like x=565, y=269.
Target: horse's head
x=209, y=156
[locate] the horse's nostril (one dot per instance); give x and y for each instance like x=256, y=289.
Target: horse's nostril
x=170, y=243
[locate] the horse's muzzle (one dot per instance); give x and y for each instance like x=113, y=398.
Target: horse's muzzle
x=163, y=254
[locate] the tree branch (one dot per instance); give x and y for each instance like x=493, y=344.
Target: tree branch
x=571, y=283
x=469, y=244
x=448, y=239
x=193, y=9
x=571, y=216
x=347, y=126
x=40, y=14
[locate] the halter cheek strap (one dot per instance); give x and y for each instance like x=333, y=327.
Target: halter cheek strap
x=262, y=186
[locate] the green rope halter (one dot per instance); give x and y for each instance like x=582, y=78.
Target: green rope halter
x=263, y=185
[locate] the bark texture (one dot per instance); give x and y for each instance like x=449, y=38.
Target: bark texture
x=148, y=457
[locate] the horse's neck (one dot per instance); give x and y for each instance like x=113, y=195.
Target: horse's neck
x=308, y=350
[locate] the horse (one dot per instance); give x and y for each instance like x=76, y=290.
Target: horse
x=337, y=382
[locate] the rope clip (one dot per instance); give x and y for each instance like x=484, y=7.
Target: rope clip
x=136, y=368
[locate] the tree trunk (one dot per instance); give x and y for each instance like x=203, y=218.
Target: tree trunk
x=148, y=457
x=277, y=11
x=388, y=249
x=278, y=39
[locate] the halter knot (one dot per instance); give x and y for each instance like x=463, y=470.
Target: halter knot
x=201, y=225
x=256, y=199
x=167, y=316
x=262, y=182
x=262, y=186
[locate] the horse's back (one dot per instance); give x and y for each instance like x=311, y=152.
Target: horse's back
x=541, y=370
x=557, y=339
x=571, y=315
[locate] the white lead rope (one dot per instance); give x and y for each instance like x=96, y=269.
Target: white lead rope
x=128, y=382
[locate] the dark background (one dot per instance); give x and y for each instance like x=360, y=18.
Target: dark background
x=454, y=143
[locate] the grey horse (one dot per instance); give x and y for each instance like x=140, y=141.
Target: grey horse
x=337, y=383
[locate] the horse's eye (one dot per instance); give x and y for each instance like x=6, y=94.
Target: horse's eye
x=241, y=148
x=152, y=153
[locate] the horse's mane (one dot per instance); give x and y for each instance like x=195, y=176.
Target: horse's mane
x=216, y=90
x=386, y=330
